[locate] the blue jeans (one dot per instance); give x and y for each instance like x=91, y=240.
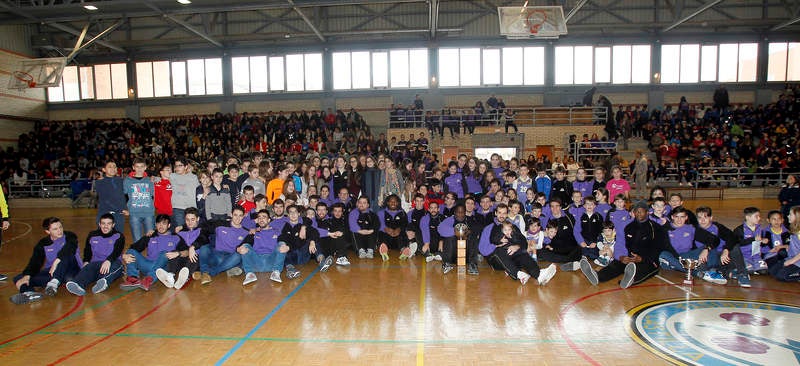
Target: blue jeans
x=673, y=264
x=141, y=224
x=119, y=220
x=91, y=273
x=254, y=262
x=213, y=261
x=178, y=217
x=144, y=265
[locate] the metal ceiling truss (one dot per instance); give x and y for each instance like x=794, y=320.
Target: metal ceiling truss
x=302, y=21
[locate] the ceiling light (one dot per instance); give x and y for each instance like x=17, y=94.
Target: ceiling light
x=185, y=2
x=90, y=7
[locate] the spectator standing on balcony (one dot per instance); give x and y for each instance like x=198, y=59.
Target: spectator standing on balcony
x=418, y=104
x=721, y=100
x=508, y=116
x=493, y=105
x=111, y=196
x=140, y=191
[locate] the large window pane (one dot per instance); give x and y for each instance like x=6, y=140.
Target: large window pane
x=534, y=65
x=161, y=79
x=418, y=68
x=72, y=92
x=214, y=76
x=670, y=63
x=728, y=58
x=313, y=71
x=119, y=81
x=640, y=67
x=144, y=79
x=622, y=64
x=258, y=74
x=87, y=82
x=602, y=64
x=380, y=69
x=341, y=70
x=491, y=67
x=196, y=75
x=690, y=63
x=793, y=68
x=448, y=67
x=102, y=81
x=708, y=63
x=240, y=74
x=399, y=68
x=294, y=73
x=276, y=73
x=512, y=66
x=361, y=70
x=564, y=65
x=470, y=66
x=56, y=93
x=179, y=78
x=748, y=62
x=776, y=65
x=583, y=64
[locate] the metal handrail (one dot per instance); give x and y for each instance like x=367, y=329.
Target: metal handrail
x=536, y=116
x=42, y=188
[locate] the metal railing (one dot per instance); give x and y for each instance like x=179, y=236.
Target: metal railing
x=41, y=188
x=538, y=116
x=592, y=149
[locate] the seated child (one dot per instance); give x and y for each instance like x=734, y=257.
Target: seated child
x=605, y=243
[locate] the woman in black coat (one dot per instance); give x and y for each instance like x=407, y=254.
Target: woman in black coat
x=371, y=183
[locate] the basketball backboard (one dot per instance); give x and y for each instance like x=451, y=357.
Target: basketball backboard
x=37, y=73
x=517, y=22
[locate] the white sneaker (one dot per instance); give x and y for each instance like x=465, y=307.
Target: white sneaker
x=165, y=278
x=546, y=274
x=183, y=277
x=342, y=261
x=523, y=277
x=249, y=278
x=429, y=258
x=233, y=272
x=413, y=249
x=52, y=287
x=276, y=276
x=362, y=253
x=437, y=257
x=370, y=253
x=627, y=278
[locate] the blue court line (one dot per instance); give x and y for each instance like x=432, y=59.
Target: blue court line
x=265, y=319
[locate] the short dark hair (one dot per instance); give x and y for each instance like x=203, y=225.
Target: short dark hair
x=49, y=221
x=162, y=218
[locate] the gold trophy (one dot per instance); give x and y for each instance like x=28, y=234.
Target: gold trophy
x=462, y=232
x=689, y=264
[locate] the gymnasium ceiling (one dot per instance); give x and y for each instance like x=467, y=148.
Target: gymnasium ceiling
x=134, y=27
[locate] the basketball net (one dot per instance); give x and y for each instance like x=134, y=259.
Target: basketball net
x=25, y=78
x=534, y=19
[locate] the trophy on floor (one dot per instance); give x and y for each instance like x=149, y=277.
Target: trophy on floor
x=462, y=232
x=689, y=264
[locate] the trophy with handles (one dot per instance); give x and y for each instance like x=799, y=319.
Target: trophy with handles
x=462, y=232
x=689, y=264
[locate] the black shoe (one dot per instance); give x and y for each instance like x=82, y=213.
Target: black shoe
x=472, y=269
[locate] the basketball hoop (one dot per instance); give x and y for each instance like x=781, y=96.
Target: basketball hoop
x=535, y=19
x=25, y=78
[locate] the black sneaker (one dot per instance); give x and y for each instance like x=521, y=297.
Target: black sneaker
x=26, y=297
x=446, y=267
x=3, y=277
x=472, y=269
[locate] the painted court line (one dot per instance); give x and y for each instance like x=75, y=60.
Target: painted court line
x=27, y=231
x=74, y=308
x=312, y=340
x=265, y=319
x=421, y=319
x=682, y=288
x=120, y=330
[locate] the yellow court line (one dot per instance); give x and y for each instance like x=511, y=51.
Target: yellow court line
x=421, y=319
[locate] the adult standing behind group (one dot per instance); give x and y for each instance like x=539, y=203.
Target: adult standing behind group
x=111, y=196
x=789, y=195
x=184, y=185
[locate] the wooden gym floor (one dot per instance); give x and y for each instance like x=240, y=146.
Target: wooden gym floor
x=370, y=313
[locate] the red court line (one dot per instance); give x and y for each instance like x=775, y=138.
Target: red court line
x=74, y=308
x=569, y=306
x=118, y=331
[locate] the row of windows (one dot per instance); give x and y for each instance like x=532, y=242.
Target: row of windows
x=408, y=68
x=690, y=63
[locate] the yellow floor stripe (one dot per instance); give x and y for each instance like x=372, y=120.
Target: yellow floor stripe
x=421, y=320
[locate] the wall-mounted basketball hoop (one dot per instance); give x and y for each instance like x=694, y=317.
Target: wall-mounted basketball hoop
x=37, y=73
x=542, y=22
